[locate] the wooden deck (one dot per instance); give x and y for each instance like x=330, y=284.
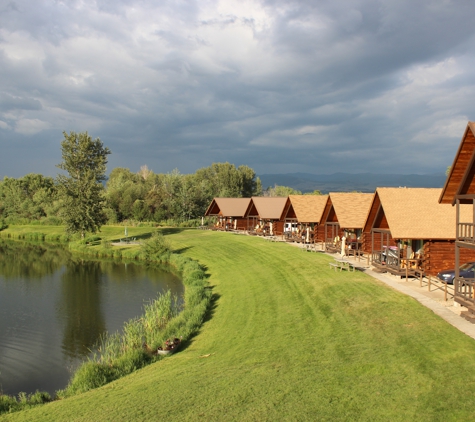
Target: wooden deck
x=398, y=266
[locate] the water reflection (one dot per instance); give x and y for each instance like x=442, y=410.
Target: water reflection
x=54, y=307
x=29, y=260
x=80, y=307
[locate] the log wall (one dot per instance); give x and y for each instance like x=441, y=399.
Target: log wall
x=439, y=255
x=367, y=242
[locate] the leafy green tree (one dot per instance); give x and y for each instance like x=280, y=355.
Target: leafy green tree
x=315, y=192
x=32, y=197
x=225, y=180
x=85, y=161
x=123, y=189
x=281, y=191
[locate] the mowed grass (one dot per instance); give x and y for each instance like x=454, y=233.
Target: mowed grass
x=289, y=339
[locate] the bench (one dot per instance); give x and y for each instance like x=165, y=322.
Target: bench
x=334, y=266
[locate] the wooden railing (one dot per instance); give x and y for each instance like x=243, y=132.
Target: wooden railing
x=376, y=258
x=388, y=260
x=466, y=232
x=331, y=246
x=464, y=292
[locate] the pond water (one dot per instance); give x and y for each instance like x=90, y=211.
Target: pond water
x=54, y=307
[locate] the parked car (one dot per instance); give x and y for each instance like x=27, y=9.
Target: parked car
x=466, y=270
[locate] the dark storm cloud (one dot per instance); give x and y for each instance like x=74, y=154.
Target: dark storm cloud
x=281, y=86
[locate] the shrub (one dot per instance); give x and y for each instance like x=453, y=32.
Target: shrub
x=10, y=404
x=3, y=224
x=106, y=244
x=157, y=248
x=51, y=221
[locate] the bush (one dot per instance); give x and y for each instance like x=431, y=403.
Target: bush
x=3, y=224
x=106, y=244
x=51, y=221
x=157, y=248
x=10, y=404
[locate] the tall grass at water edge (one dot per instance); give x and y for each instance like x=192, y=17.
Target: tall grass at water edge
x=119, y=354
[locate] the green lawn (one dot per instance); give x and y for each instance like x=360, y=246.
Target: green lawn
x=289, y=339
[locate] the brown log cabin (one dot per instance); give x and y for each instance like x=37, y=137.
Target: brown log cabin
x=408, y=232
x=459, y=189
x=263, y=215
x=229, y=213
x=344, y=215
x=302, y=215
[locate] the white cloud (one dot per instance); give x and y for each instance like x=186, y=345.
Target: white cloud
x=433, y=74
x=30, y=126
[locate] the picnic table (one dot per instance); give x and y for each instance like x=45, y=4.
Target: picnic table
x=342, y=264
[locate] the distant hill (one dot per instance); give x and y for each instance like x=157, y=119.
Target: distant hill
x=346, y=182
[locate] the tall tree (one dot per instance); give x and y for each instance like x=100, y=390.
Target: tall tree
x=85, y=161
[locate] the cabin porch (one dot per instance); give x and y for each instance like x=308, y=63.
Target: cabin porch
x=397, y=258
x=464, y=288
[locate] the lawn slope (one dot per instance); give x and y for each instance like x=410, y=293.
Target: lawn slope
x=288, y=339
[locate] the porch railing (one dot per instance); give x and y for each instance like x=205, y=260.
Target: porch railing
x=382, y=258
x=464, y=292
x=376, y=258
x=466, y=232
x=330, y=245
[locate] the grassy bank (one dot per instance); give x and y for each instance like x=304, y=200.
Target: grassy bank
x=288, y=339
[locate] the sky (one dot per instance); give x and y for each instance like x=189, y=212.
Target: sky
x=315, y=86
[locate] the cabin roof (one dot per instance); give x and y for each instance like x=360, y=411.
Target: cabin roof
x=228, y=207
x=307, y=208
x=269, y=208
x=460, y=180
x=415, y=213
x=351, y=208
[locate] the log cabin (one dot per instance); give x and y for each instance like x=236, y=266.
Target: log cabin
x=263, y=215
x=408, y=232
x=459, y=189
x=229, y=213
x=344, y=216
x=301, y=216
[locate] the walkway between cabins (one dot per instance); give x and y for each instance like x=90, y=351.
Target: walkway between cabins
x=429, y=300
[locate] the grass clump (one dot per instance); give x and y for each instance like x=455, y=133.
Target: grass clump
x=9, y=404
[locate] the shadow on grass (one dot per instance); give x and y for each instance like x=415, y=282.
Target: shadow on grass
x=172, y=230
x=181, y=250
x=213, y=305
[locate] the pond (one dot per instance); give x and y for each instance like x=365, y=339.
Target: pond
x=54, y=307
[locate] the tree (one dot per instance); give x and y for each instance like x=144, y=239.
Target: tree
x=85, y=161
x=31, y=197
x=225, y=180
x=281, y=191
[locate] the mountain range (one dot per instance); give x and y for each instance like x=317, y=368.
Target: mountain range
x=347, y=182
